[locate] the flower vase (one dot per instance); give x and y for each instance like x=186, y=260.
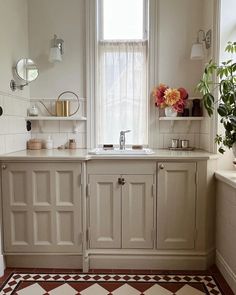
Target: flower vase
x=170, y=112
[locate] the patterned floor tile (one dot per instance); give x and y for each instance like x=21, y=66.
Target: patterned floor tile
x=187, y=290
x=33, y=289
x=157, y=289
x=126, y=289
x=109, y=284
x=94, y=289
x=64, y=289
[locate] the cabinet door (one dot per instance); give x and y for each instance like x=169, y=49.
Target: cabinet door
x=42, y=207
x=176, y=205
x=137, y=211
x=105, y=211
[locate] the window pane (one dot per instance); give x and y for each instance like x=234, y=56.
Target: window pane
x=123, y=19
x=122, y=98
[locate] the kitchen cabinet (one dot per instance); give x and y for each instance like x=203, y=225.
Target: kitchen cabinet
x=42, y=207
x=176, y=205
x=109, y=213
x=121, y=210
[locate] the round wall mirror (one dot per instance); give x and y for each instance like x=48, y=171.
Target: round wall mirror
x=27, y=70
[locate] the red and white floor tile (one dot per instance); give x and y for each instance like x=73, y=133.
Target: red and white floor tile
x=23, y=283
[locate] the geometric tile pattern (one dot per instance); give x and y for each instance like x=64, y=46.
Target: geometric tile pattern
x=109, y=284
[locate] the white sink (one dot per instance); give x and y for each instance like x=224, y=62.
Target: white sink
x=101, y=151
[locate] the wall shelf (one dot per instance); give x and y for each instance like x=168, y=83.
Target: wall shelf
x=48, y=99
x=181, y=118
x=188, y=120
x=194, y=97
x=41, y=119
x=51, y=118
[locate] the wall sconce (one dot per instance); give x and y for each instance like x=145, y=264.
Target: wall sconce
x=56, y=50
x=197, y=51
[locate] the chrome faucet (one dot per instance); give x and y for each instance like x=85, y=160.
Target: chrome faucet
x=122, y=139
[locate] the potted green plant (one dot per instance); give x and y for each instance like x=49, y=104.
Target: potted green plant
x=225, y=102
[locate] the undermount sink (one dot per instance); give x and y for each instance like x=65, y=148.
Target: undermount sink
x=101, y=151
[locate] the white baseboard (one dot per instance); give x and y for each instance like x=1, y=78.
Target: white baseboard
x=226, y=271
x=2, y=265
x=44, y=261
x=177, y=262
x=113, y=261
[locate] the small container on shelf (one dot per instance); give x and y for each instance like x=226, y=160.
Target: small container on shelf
x=184, y=143
x=72, y=144
x=33, y=111
x=49, y=143
x=34, y=144
x=197, y=109
x=174, y=143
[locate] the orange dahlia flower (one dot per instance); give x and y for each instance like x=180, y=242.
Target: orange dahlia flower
x=172, y=96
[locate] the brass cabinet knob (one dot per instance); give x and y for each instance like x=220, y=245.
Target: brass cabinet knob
x=161, y=166
x=4, y=166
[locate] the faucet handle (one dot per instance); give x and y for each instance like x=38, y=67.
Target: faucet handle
x=125, y=131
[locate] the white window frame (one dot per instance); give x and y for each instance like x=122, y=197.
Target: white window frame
x=100, y=24
x=91, y=70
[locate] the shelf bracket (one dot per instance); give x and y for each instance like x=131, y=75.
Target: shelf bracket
x=188, y=126
x=172, y=123
x=75, y=126
x=28, y=125
x=40, y=124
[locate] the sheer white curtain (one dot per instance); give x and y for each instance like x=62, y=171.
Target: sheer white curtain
x=122, y=92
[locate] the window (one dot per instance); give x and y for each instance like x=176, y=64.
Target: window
x=122, y=99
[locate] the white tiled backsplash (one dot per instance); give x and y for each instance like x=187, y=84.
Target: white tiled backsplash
x=197, y=132
x=60, y=131
x=13, y=133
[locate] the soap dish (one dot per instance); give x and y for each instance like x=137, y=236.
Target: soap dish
x=137, y=147
x=181, y=149
x=108, y=147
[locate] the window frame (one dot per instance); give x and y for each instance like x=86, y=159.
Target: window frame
x=100, y=31
x=99, y=38
x=91, y=70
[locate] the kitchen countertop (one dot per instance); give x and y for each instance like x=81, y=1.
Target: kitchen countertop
x=227, y=176
x=82, y=155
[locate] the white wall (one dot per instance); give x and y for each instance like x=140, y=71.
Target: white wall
x=226, y=232
x=208, y=23
x=14, y=45
x=178, y=24
x=67, y=20
x=227, y=33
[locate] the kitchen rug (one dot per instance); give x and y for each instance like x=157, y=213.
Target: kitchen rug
x=109, y=284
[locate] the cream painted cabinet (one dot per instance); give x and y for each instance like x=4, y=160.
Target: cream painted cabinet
x=42, y=207
x=121, y=211
x=176, y=205
x=138, y=211
x=105, y=211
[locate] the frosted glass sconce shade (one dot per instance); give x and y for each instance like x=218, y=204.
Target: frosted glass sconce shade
x=56, y=50
x=55, y=55
x=197, y=51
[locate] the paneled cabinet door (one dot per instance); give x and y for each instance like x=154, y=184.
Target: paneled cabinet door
x=176, y=198
x=105, y=211
x=42, y=207
x=137, y=211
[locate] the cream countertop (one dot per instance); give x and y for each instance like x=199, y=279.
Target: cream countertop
x=227, y=176
x=82, y=155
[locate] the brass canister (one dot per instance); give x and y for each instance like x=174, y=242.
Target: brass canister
x=62, y=108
